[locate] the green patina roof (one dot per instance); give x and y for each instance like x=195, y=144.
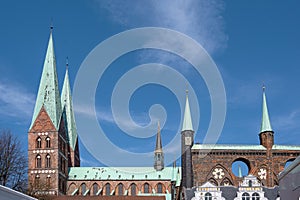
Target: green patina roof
x=243, y=147
x=265, y=122
x=286, y=147
x=240, y=172
x=187, y=119
x=122, y=173
x=66, y=102
x=48, y=93
x=228, y=147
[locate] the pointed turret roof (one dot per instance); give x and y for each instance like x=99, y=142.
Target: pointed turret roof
x=66, y=102
x=158, y=146
x=48, y=93
x=187, y=119
x=265, y=122
x=240, y=172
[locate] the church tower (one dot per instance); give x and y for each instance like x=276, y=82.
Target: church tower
x=69, y=120
x=47, y=139
x=158, y=153
x=187, y=141
x=266, y=135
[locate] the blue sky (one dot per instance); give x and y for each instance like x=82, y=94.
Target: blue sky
x=252, y=43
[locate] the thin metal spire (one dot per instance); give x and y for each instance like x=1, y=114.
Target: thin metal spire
x=265, y=122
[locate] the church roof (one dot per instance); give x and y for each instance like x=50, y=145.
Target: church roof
x=265, y=122
x=48, y=93
x=187, y=119
x=228, y=147
x=286, y=147
x=242, y=147
x=122, y=173
x=66, y=102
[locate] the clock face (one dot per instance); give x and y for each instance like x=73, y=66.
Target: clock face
x=188, y=141
x=262, y=174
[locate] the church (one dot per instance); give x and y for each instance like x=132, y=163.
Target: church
x=54, y=156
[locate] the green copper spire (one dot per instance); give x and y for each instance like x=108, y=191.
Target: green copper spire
x=240, y=172
x=187, y=119
x=66, y=102
x=265, y=122
x=48, y=93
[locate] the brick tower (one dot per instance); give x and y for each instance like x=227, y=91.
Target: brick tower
x=187, y=141
x=52, y=137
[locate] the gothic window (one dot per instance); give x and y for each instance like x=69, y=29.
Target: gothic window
x=255, y=196
x=48, y=161
x=83, y=188
x=38, y=143
x=95, y=188
x=146, y=188
x=133, y=189
x=107, y=189
x=37, y=180
x=48, y=181
x=48, y=142
x=38, y=161
x=120, y=189
x=159, y=188
x=208, y=196
x=245, y=196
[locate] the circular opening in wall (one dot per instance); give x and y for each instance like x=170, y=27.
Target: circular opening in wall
x=240, y=168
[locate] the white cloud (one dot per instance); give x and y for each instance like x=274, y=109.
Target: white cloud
x=15, y=101
x=200, y=20
x=288, y=121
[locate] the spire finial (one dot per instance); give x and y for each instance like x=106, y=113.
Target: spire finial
x=264, y=87
x=67, y=63
x=51, y=25
x=187, y=89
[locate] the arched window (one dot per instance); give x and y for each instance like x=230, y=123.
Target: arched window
x=48, y=161
x=83, y=188
x=159, y=188
x=245, y=196
x=38, y=143
x=208, y=196
x=37, y=181
x=146, y=188
x=38, y=161
x=133, y=189
x=255, y=196
x=107, y=189
x=48, y=142
x=120, y=189
x=48, y=181
x=95, y=188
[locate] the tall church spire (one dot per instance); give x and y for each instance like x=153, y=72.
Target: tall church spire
x=48, y=93
x=66, y=102
x=158, y=146
x=158, y=153
x=265, y=122
x=187, y=119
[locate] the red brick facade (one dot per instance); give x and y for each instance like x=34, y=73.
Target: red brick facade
x=47, y=157
x=215, y=165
